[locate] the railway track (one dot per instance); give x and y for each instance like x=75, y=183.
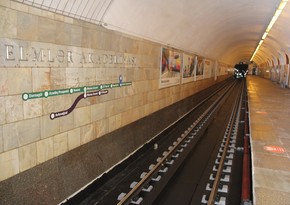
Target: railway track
x=147, y=180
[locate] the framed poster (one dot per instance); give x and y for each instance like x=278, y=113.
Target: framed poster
x=199, y=68
x=170, y=67
x=208, y=68
x=189, y=63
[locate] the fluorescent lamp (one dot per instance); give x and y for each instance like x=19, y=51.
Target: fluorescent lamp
x=272, y=22
x=264, y=35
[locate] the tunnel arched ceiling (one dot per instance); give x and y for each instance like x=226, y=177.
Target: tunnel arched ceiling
x=223, y=30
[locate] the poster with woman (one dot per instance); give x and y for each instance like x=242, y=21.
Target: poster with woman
x=171, y=63
x=188, y=68
x=199, y=68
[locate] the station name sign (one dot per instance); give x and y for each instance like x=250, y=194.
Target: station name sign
x=17, y=53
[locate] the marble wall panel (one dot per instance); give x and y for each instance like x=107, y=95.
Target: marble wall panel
x=9, y=164
x=8, y=20
x=76, y=35
x=74, y=138
x=27, y=26
x=87, y=76
x=27, y=157
x=101, y=127
x=88, y=133
x=3, y=82
x=41, y=79
x=32, y=108
x=2, y=111
x=49, y=127
x=44, y=150
x=21, y=133
x=19, y=7
x=23, y=82
x=62, y=33
x=46, y=30
x=72, y=77
x=58, y=78
x=98, y=111
x=1, y=139
x=60, y=144
x=66, y=123
x=82, y=116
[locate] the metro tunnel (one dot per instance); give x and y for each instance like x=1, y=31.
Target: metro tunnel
x=144, y=102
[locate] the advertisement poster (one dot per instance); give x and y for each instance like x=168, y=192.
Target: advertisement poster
x=199, y=68
x=170, y=68
x=189, y=68
x=208, y=68
x=222, y=69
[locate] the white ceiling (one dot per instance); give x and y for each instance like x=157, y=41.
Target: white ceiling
x=224, y=30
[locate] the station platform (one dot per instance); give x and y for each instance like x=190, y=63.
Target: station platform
x=269, y=110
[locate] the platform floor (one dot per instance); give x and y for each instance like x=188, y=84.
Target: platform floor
x=269, y=107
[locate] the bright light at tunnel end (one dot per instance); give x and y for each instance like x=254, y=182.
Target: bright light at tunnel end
x=272, y=22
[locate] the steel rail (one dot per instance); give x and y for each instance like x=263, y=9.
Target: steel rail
x=138, y=187
x=233, y=117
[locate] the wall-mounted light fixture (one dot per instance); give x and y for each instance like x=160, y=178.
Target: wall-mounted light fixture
x=272, y=22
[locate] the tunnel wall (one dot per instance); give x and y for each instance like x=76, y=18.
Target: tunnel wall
x=49, y=148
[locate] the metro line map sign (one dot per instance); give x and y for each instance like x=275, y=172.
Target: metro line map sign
x=87, y=91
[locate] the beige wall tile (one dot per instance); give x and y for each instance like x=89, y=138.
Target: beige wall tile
x=21, y=133
x=66, y=123
x=118, y=121
x=46, y=30
x=9, y=164
x=82, y=116
x=5, y=3
x=41, y=79
x=18, y=6
x=10, y=136
x=3, y=81
x=2, y=111
x=76, y=35
x=101, y=127
x=87, y=76
x=8, y=20
x=22, y=84
x=27, y=157
x=98, y=111
x=120, y=105
x=44, y=150
x=32, y=108
x=100, y=73
x=87, y=133
x=1, y=139
x=49, y=127
x=27, y=26
x=60, y=144
x=72, y=77
x=74, y=138
x=63, y=29
x=110, y=108
x=13, y=108
x=58, y=77
x=48, y=106
x=112, y=123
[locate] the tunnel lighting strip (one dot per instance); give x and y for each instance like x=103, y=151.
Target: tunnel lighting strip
x=272, y=22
